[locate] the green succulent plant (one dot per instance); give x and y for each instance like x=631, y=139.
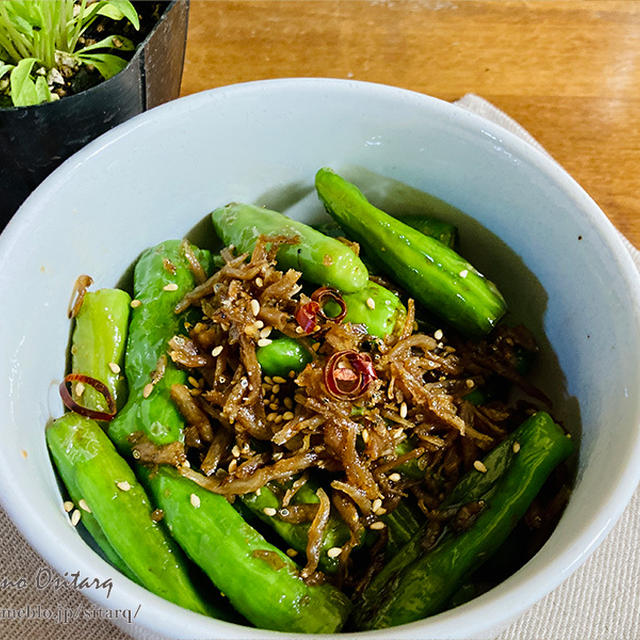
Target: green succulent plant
x=42, y=43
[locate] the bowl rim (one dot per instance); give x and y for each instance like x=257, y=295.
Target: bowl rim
x=497, y=607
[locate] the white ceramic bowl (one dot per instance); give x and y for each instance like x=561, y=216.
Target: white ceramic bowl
x=566, y=273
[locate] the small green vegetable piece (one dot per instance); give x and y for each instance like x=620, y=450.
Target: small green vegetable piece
x=416, y=584
x=98, y=344
x=284, y=354
x=321, y=259
x=435, y=275
x=91, y=467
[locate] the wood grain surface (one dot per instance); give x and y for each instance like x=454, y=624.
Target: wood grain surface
x=568, y=71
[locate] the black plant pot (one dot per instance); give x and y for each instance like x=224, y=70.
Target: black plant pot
x=35, y=140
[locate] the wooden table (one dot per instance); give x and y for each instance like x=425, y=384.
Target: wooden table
x=568, y=71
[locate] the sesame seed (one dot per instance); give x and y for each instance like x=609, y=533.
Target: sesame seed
x=235, y=452
x=288, y=402
x=395, y=477
x=255, y=307
x=84, y=506
x=79, y=389
x=172, y=286
x=516, y=447
x=287, y=415
x=279, y=380
x=114, y=367
x=233, y=465
x=68, y=505
x=271, y=416
x=258, y=492
x=268, y=380
x=381, y=511
x=194, y=500
x=377, y=503
x=275, y=389
x=464, y=273
x=269, y=511
x=299, y=330
x=438, y=335
x=334, y=552
x=377, y=525
x=365, y=435
x=216, y=351
x=123, y=485
x=23, y=453
x=259, y=282
x=135, y=303
x=258, y=324
x=264, y=333
x=479, y=466
x=279, y=419
x=371, y=303
x=193, y=382
x=75, y=517
x=292, y=553
x=292, y=374
x=263, y=342
x=470, y=383
x=403, y=410
x=148, y=389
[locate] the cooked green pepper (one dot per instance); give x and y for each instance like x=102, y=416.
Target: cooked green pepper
x=296, y=535
x=92, y=468
x=416, y=584
x=321, y=259
x=98, y=344
x=260, y=581
x=434, y=274
x=161, y=278
x=445, y=232
x=284, y=354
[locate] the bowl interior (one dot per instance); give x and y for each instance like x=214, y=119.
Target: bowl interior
x=526, y=225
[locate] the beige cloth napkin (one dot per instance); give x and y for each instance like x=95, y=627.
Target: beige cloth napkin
x=601, y=601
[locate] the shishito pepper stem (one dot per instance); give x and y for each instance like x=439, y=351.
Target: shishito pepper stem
x=444, y=282
x=416, y=584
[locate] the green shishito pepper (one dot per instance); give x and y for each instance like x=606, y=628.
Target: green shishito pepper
x=161, y=278
x=260, y=581
x=444, y=282
x=296, y=535
x=98, y=342
x=94, y=472
x=321, y=259
x=416, y=584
